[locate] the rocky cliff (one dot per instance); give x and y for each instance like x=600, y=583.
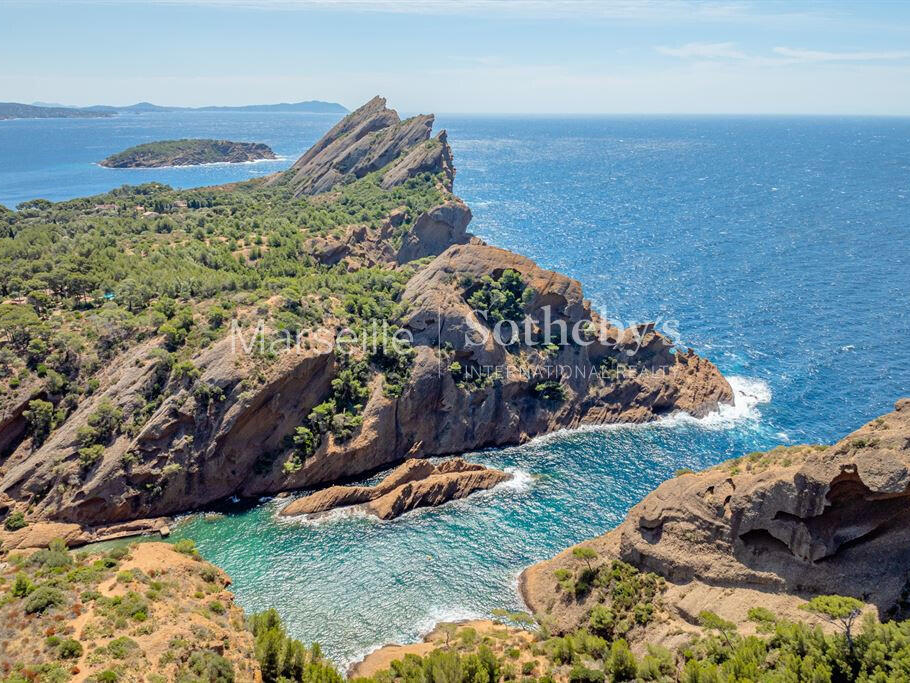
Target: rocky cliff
x=369, y=139
x=767, y=529
x=225, y=424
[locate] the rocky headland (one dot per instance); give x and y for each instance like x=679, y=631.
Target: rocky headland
x=413, y=484
x=176, y=418
x=189, y=152
x=766, y=530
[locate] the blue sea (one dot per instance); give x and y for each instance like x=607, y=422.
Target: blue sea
x=777, y=247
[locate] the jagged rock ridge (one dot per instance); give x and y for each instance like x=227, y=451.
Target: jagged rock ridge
x=191, y=452
x=365, y=141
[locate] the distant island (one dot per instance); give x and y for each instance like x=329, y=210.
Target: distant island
x=15, y=110
x=43, y=110
x=190, y=152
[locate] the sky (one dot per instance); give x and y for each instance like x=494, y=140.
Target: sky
x=473, y=56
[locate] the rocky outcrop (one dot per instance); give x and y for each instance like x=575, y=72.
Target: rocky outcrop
x=366, y=140
x=436, y=230
x=768, y=529
x=184, y=605
x=426, y=234
x=188, y=153
x=433, y=156
x=463, y=391
x=413, y=484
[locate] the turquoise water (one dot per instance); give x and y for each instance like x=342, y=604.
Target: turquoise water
x=779, y=247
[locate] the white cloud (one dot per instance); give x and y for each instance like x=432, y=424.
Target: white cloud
x=704, y=51
x=798, y=55
x=691, y=11
x=783, y=56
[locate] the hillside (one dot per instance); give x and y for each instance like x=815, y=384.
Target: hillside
x=15, y=110
x=188, y=152
x=168, y=348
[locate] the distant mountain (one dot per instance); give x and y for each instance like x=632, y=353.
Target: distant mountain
x=46, y=110
x=311, y=106
x=138, y=108
x=16, y=110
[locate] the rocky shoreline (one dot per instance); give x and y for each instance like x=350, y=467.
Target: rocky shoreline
x=459, y=390
x=764, y=530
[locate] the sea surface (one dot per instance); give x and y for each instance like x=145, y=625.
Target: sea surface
x=777, y=247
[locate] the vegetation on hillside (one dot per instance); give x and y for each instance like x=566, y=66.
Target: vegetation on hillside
x=65, y=614
x=84, y=280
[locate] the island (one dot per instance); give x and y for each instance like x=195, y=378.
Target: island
x=16, y=110
x=188, y=152
x=47, y=110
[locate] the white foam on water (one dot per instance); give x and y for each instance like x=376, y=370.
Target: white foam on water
x=172, y=167
x=748, y=394
x=332, y=516
x=521, y=481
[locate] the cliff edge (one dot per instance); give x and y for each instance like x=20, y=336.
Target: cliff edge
x=764, y=530
x=369, y=236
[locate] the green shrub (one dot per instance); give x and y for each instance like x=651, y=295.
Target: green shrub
x=15, y=521
x=550, y=390
x=40, y=419
x=22, y=585
x=69, y=649
x=210, y=667
x=186, y=546
x=622, y=663
x=122, y=647
x=582, y=674
x=43, y=598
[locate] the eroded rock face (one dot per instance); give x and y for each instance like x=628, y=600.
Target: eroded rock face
x=413, y=484
x=802, y=520
x=191, y=452
x=364, y=141
x=432, y=156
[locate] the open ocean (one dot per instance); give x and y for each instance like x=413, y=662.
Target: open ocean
x=778, y=246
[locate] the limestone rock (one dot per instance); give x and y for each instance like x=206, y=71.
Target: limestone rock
x=364, y=141
x=433, y=156
x=415, y=483
x=770, y=527
x=435, y=490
